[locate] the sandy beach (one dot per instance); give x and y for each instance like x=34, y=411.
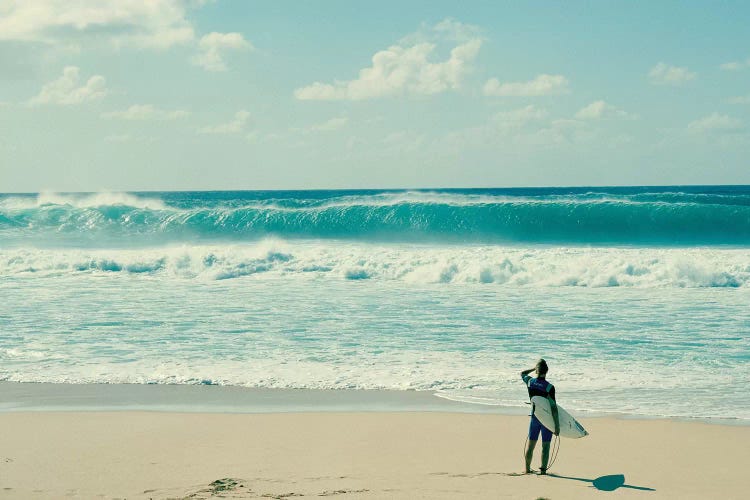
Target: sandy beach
x=357, y=455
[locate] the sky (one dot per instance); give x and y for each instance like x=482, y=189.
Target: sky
x=150, y=95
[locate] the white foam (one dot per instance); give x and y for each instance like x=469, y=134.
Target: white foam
x=634, y=350
x=446, y=199
x=82, y=200
x=476, y=378
x=487, y=265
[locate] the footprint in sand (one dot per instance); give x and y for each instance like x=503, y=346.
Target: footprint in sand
x=218, y=487
x=226, y=484
x=328, y=493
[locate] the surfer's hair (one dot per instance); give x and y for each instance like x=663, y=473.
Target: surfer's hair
x=541, y=367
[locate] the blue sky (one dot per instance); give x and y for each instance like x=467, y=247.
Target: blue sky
x=173, y=94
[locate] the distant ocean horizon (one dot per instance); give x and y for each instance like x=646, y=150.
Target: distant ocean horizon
x=637, y=296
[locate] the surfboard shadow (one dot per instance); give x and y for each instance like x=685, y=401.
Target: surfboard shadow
x=606, y=483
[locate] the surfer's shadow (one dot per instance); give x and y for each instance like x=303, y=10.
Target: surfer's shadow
x=605, y=483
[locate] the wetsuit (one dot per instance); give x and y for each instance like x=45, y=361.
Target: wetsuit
x=539, y=387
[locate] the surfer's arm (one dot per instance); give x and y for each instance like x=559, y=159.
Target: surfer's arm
x=525, y=375
x=553, y=408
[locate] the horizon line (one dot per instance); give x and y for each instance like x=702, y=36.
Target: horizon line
x=392, y=189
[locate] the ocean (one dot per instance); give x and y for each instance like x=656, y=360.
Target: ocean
x=638, y=297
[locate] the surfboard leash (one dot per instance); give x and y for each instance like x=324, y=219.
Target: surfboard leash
x=555, y=451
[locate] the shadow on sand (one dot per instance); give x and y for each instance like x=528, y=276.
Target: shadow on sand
x=606, y=483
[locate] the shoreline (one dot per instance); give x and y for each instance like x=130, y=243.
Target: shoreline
x=30, y=397
x=205, y=398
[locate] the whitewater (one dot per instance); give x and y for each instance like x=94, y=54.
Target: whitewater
x=637, y=297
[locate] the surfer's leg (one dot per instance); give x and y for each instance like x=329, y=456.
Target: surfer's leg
x=545, y=457
x=529, y=454
x=535, y=428
x=546, y=439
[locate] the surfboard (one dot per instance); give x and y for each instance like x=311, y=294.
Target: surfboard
x=569, y=427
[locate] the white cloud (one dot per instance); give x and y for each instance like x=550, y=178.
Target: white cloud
x=741, y=99
x=65, y=90
x=567, y=124
x=600, y=109
x=715, y=123
x=235, y=126
x=736, y=65
x=330, y=125
x=732, y=66
x=146, y=112
x=402, y=142
x=663, y=74
x=519, y=117
x=129, y=139
x=403, y=68
x=142, y=23
x=255, y=137
x=456, y=30
x=211, y=47
x=541, y=85
x=522, y=129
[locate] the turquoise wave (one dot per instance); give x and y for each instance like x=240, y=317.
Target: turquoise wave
x=473, y=216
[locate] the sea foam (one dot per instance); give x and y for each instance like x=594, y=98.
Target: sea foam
x=448, y=264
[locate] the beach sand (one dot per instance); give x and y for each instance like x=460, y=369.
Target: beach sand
x=131, y=454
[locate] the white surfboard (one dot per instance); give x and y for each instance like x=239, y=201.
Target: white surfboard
x=569, y=427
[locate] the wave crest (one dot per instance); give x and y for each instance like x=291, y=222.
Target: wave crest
x=122, y=219
x=81, y=200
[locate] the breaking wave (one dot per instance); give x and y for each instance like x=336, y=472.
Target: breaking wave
x=491, y=216
x=496, y=265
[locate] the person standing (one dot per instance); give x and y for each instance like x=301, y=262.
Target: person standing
x=540, y=387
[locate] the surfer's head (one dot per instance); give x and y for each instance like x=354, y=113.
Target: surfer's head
x=541, y=367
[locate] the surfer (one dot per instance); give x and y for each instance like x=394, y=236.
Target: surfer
x=540, y=387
